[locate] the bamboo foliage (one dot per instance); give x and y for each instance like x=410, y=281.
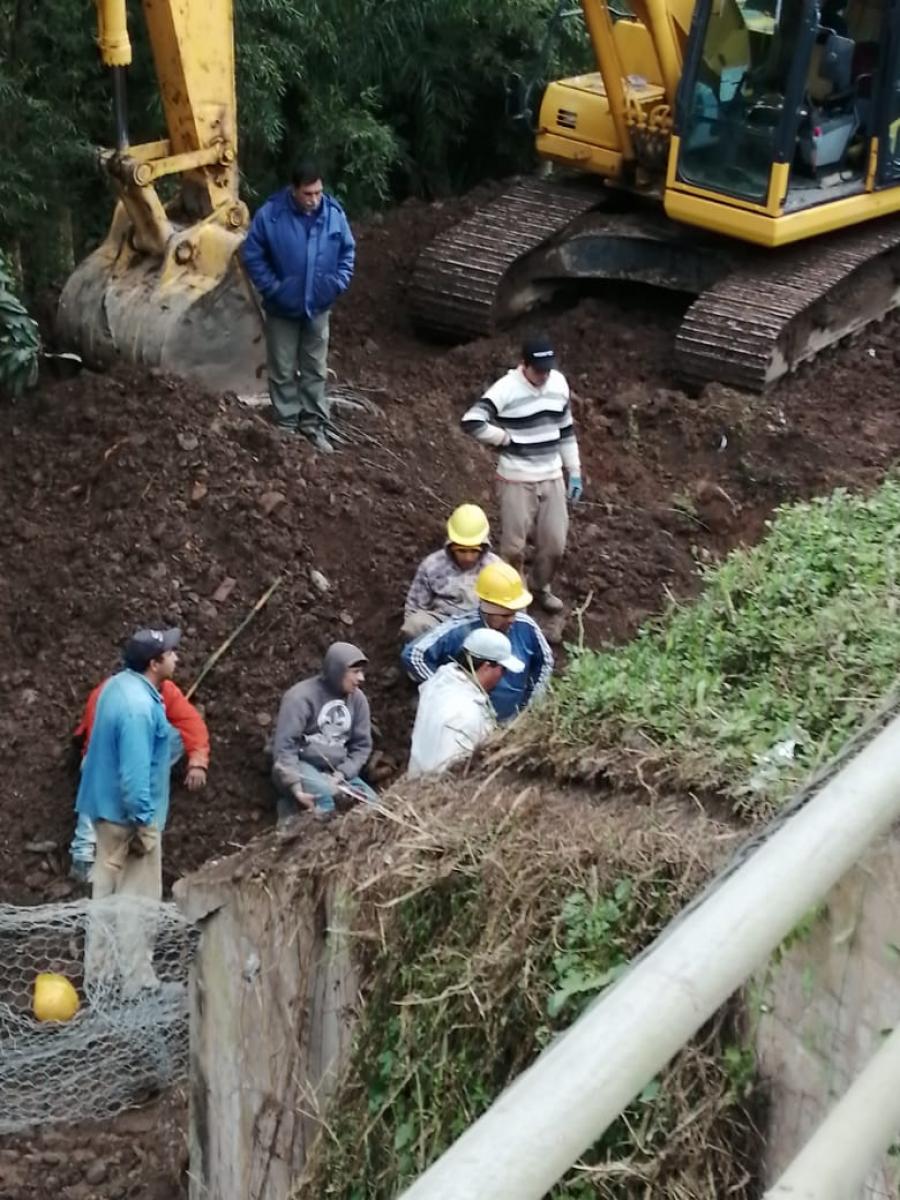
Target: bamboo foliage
x=397, y=97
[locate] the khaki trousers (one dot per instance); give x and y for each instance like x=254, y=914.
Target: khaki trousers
x=537, y=511
x=420, y=622
x=297, y=354
x=122, y=929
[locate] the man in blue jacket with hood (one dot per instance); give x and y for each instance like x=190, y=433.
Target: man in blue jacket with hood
x=300, y=254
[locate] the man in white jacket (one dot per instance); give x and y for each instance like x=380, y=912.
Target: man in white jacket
x=527, y=417
x=455, y=715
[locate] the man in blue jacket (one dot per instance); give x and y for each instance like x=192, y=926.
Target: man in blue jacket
x=502, y=600
x=300, y=253
x=124, y=791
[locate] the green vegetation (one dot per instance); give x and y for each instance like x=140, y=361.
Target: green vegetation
x=496, y=928
x=398, y=97
x=499, y=924
x=20, y=341
x=745, y=691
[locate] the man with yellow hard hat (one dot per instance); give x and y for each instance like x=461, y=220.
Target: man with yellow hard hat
x=444, y=582
x=502, y=601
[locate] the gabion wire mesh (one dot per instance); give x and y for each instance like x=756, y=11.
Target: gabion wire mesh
x=128, y=959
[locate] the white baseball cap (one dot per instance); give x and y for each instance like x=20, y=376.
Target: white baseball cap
x=491, y=645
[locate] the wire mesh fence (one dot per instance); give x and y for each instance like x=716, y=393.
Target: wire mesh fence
x=127, y=960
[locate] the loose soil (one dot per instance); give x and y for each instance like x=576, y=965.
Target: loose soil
x=128, y=499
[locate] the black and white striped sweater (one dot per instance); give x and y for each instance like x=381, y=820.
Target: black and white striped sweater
x=531, y=426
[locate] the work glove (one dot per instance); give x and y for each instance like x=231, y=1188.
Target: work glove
x=575, y=489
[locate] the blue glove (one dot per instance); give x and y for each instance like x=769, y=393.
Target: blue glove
x=575, y=490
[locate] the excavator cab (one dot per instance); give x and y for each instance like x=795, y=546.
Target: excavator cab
x=166, y=288
x=787, y=118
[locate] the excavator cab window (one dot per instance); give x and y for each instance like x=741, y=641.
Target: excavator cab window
x=739, y=101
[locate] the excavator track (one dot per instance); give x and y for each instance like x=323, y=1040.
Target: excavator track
x=458, y=289
x=783, y=308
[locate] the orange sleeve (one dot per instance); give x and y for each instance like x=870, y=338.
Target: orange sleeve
x=86, y=724
x=187, y=720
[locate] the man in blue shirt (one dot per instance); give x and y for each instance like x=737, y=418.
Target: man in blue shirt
x=299, y=253
x=124, y=791
x=502, y=600
x=124, y=787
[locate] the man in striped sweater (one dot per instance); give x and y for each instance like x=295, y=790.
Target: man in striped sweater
x=527, y=417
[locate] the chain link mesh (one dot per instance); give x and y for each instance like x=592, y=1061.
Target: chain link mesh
x=128, y=958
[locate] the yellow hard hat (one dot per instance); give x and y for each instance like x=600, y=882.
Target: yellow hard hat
x=499, y=583
x=468, y=526
x=55, y=999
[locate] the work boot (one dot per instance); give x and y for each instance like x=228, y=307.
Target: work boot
x=319, y=441
x=548, y=602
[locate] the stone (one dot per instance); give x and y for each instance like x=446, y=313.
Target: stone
x=60, y=889
x=345, y=617
x=45, y=847
x=319, y=582
x=187, y=441
x=263, y=718
x=198, y=491
x=224, y=590
x=269, y=501
x=96, y=1172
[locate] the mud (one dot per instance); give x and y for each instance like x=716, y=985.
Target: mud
x=128, y=499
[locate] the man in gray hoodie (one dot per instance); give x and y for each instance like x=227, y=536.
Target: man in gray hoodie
x=323, y=738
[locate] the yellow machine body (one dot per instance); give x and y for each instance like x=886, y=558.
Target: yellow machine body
x=165, y=288
x=619, y=122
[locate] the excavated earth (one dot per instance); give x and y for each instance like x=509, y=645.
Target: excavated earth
x=130, y=499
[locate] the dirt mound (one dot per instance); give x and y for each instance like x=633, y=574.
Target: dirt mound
x=131, y=498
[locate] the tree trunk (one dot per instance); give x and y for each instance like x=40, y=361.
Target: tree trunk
x=272, y=1007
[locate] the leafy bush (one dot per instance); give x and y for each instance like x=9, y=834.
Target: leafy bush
x=20, y=342
x=767, y=674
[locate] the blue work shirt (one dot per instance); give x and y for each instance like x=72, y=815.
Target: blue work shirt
x=125, y=775
x=440, y=645
x=299, y=262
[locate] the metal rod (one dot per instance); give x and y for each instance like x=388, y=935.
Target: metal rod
x=860, y=1128
x=120, y=108
x=563, y=1103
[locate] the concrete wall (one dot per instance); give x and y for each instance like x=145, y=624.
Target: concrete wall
x=824, y=1007
x=273, y=1001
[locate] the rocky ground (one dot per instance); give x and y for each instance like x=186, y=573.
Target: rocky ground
x=128, y=499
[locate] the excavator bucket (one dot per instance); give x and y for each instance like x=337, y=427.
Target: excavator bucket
x=192, y=312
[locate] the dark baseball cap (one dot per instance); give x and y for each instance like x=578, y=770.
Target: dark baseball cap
x=145, y=645
x=538, y=352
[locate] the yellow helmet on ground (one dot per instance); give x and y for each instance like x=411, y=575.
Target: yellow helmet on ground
x=499, y=583
x=468, y=526
x=55, y=999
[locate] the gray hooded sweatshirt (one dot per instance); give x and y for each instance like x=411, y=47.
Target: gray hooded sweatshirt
x=320, y=725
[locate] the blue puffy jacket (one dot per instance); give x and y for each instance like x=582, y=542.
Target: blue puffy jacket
x=299, y=263
x=125, y=775
x=422, y=658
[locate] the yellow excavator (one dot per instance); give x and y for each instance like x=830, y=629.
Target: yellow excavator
x=743, y=151
x=166, y=287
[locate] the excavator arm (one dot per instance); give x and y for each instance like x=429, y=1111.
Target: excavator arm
x=165, y=288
